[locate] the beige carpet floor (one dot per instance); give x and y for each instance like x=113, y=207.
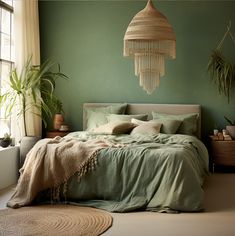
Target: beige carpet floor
x=217, y=220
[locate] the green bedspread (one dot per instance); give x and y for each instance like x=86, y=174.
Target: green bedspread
x=162, y=173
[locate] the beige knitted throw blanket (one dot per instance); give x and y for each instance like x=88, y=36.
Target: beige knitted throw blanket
x=50, y=163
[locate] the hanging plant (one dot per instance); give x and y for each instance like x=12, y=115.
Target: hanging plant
x=222, y=72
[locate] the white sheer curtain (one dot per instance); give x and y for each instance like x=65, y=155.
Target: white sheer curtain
x=26, y=35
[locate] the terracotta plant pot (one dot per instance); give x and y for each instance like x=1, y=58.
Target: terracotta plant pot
x=58, y=121
x=231, y=130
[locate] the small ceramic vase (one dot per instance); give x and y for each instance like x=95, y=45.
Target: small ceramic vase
x=58, y=121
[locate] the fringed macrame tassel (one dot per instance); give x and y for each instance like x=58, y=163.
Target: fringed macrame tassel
x=56, y=194
x=65, y=189
x=86, y=167
x=165, y=47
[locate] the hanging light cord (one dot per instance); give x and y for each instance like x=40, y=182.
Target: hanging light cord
x=228, y=32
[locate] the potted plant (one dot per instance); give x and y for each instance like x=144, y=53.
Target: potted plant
x=35, y=84
x=5, y=141
x=31, y=90
x=231, y=127
x=58, y=117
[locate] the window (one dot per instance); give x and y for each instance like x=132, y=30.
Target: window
x=6, y=44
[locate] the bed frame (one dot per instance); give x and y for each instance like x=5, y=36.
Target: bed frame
x=134, y=108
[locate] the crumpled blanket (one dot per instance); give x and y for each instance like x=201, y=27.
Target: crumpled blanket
x=50, y=163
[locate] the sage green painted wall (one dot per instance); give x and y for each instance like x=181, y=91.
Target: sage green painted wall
x=86, y=38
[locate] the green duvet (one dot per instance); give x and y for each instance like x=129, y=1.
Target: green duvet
x=162, y=173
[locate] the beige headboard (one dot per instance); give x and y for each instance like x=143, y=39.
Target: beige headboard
x=134, y=108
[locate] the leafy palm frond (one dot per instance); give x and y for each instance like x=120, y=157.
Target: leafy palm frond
x=229, y=121
x=222, y=72
x=32, y=88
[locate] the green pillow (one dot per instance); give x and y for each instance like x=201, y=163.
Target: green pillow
x=169, y=126
x=114, y=117
x=98, y=116
x=188, y=125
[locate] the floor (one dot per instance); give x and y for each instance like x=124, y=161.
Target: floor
x=217, y=220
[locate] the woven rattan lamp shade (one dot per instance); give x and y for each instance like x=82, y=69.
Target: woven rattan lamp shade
x=149, y=39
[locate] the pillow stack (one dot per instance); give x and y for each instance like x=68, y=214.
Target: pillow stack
x=96, y=117
x=113, y=120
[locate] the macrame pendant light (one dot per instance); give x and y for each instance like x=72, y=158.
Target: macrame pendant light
x=149, y=39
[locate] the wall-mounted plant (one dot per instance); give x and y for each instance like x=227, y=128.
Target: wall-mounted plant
x=222, y=72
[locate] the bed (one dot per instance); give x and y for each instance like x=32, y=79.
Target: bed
x=156, y=162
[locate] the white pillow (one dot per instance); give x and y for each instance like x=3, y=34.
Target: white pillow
x=138, y=122
x=149, y=128
x=169, y=126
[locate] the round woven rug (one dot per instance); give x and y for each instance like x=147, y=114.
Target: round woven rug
x=54, y=220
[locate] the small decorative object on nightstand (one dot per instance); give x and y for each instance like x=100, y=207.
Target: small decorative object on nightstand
x=231, y=127
x=64, y=128
x=53, y=134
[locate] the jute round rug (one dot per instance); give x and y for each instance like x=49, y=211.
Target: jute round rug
x=52, y=220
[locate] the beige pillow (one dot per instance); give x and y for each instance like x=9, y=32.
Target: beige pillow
x=118, y=127
x=148, y=128
x=169, y=126
x=138, y=122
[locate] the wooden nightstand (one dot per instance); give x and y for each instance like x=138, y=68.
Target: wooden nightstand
x=53, y=134
x=222, y=153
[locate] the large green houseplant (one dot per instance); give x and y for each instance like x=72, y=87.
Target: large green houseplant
x=32, y=89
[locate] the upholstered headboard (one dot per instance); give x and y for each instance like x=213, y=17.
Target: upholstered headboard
x=134, y=108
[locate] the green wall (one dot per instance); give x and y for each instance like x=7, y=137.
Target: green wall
x=86, y=38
